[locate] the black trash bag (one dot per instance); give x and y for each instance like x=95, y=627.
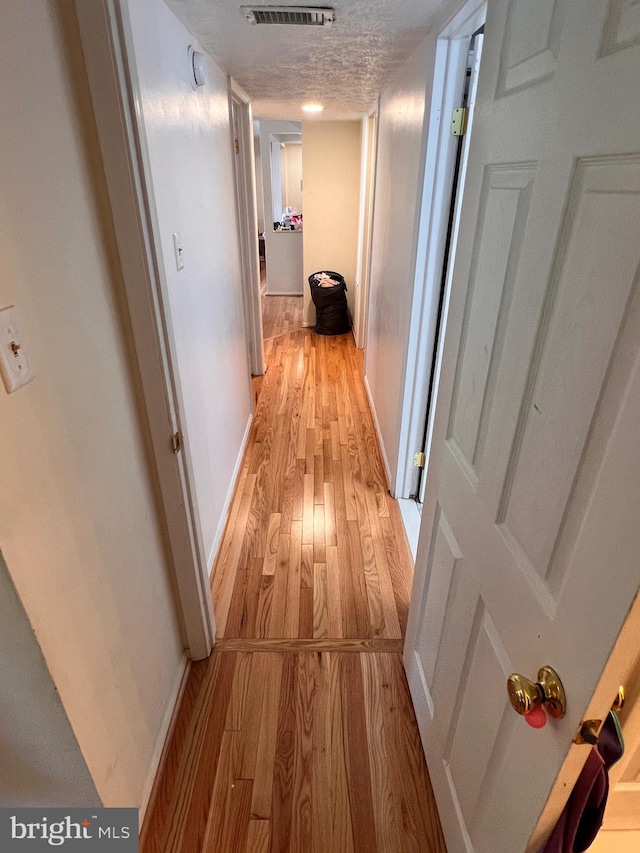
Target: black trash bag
x=332, y=313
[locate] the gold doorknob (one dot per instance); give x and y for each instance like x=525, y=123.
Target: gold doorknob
x=525, y=694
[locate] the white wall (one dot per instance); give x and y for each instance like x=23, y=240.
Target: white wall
x=189, y=140
x=42, y=764
x=284, y=259
x=401, y=151
x=331, y=157
x=284, y=263
x=79, y=525
x=292, y=174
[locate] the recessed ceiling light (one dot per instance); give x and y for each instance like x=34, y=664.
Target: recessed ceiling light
x=313, y=108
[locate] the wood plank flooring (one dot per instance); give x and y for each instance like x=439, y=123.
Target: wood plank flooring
x=298, y=733
x=314, y=546
x=281, y=314
x=289, y=752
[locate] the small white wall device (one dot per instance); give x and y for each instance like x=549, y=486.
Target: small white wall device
x=197, y=68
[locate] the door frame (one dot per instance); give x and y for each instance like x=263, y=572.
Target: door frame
x=247, y=213
x=448, y=80
x=107, y=40
x=368, y=173
x=620, y=667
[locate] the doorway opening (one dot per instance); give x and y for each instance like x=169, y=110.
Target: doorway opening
x=246, y=197
x=457, y=188
x=280, y=218
x=458, y=53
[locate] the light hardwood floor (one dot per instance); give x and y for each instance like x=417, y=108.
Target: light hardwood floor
x=298, y=733
x=281, y=314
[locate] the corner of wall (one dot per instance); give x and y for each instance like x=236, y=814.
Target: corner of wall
x=374, y=415
x=224, y=516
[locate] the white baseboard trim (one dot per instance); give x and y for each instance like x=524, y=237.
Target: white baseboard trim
x=385, y=461
x=308, y=325
x=282, y=293
x=164, y=735
x=224, y=515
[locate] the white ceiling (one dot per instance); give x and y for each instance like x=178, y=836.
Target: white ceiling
x=281, y=67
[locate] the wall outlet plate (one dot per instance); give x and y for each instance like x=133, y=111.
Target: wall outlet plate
x=15, y=365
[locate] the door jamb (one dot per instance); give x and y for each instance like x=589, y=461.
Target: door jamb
x=247, y=213
x=450, y=56
x=368, y=174
x=618, y=670
x=106, y=38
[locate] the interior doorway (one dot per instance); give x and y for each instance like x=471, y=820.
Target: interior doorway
x=458, y=53
x=107, y=36
x=245, y=183
x=463, y=121
x=369, y=158
x=281, y=205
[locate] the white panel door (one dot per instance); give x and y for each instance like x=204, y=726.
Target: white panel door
x=529, y=549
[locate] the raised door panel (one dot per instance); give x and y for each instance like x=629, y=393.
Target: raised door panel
x=481, y=707
x=530, y=51
x=590, y=286
x=445, y=561
x=622, y=28
x=504, y=208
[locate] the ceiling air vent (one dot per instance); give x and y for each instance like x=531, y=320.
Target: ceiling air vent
x=302, y=16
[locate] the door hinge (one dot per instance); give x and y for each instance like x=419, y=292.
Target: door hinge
x=176, y=442
x=237, y=146
x=459, y=119
x=419, y=459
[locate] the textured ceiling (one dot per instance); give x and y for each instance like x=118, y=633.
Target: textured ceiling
x=281, y=67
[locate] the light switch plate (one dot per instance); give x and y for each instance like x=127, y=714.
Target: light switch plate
x=15, y=365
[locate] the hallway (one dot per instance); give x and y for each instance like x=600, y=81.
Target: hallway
x=298, y=733
x=312, y=497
